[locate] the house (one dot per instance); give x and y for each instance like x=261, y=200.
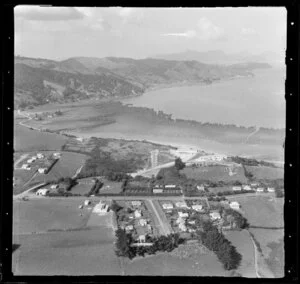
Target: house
x=234, y=205
x=246, y=187
x=56, y=155
x=129, y=228
x=192, y=222
x=260, y=189
x=215, y=215
x=142, y=238
x=183, y=215
x=25, y=167
x=136, y=203
x=197, y=207
x=54, y=186
x=87, y=202
x=137, y=214
x=200, y=187
x=42, y=191
x=157, y=190
x=42, y=170
x=143, y=222
x=101, y=208
x=271, y=189
x=170, y=186
x=254, y=184
x=182, y=227
x=181, y=204
x=40, y=155
x=236, y=188
x=167, y=206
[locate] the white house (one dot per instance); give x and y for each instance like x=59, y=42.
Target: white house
x=101, y=208
x=215, y=215
x=183, y=215
x=170, y=186
x=236, y=188
x=129, y=228
x=87, y=202
x=136, y=203
x=25, y=167
x=40, y=155
x=234, y=205
x=137, y=214
x=42, y=170
x=142, y=238
x=167, y=206
x=260, y=189
x=181, y=204
x=254, y=184
x=54, y=186
x=42, y=191
x=246, y=187
x=143, y=222
x=157, y=190
x=200, y=187
x=271, y=189
x=192, y=222
x=182, y=227
x=197, y=207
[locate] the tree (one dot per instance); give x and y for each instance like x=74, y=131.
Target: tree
x=279, y=193
x=179, y=165
x=115, y=206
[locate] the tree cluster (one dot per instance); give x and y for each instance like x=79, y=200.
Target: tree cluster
x=216, y=242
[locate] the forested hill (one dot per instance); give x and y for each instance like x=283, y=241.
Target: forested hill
x=39, y=81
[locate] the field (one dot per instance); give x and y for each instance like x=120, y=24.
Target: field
x=220, y=189
x=32, y=140
x=263, y=172
x=66, y=166
x=272, y=245
x=262, y=211
x=21, y=178
x=42, y=215
x=215, y=173
x=243, y=244
x=111, y=187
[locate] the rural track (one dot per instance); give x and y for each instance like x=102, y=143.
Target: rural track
x=252, y=133
x=255, y=256
x=23, y=157
x=23, y=194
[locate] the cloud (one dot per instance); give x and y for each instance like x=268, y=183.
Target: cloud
x=187, y=34
x=38, y=13
x=208, y=31
x=248, y=32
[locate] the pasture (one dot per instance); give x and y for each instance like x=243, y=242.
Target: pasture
x=46, y=214
x=262, y=172
x=216, y=173
x=241, y=240
x=32, y=140
x=262, y=211
x=111, y=187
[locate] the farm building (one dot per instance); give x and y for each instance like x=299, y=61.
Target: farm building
x=136, y=203
x=157, y=190
x=40, y=155
x=167, y=206
x=246, y=187
x=137, y=214
x=87, y=202
x=25, y=167
x=42, y=170
x=271, y=189
x=260, y=189
x=234, y=205
x=101, y=208
x=181, y=204
x=197, y=207
x=143, y=222
x=200, y=187
x=183, y=215
x=42, y=191
x=236, y=188
x=215, y=215
x=54, y=186
x=170, y=186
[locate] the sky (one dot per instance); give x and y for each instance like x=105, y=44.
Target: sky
x=62, y=32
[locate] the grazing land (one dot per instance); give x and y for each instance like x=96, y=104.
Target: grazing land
x=216, y=173
x=111, y=187
x=263, y=172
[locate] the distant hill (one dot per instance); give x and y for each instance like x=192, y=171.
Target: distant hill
x=39, y=81
x=220, y=57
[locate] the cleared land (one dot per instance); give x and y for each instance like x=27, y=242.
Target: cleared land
x=263, y=211
x=243, y=244
x=263, y=172
x=215, y=173
x=32, y=140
